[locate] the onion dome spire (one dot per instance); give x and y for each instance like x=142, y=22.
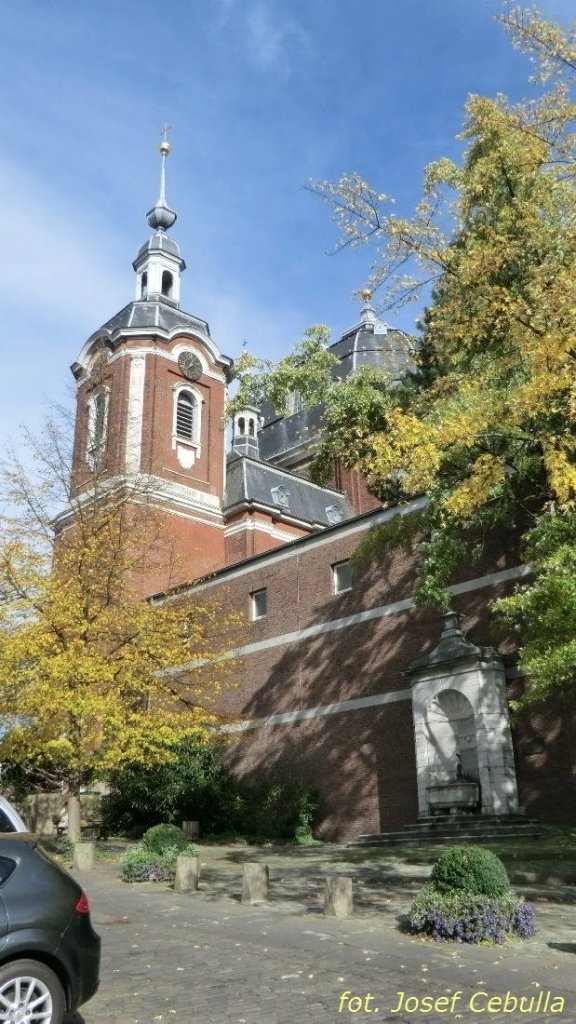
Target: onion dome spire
x=161, y=217
x=158, y=263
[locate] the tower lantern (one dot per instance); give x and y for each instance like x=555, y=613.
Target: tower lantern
x=159, y=264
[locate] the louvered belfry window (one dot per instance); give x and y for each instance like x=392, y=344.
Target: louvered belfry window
x=186, y=416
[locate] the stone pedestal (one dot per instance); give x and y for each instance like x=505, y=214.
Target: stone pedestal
x=84, y=856
x=255, y=883
x=338, y=896
x=187, y=873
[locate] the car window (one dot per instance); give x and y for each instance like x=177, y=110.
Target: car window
x=6, y=868
x=5, y=823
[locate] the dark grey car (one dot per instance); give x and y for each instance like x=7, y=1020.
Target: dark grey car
x=49, y=952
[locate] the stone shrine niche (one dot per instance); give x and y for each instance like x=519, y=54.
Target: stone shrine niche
x=451, y=735
x=461, y=726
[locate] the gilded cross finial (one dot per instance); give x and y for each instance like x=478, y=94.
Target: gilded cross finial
x=165, y=145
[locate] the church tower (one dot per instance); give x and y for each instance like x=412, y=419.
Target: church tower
x=151, y=387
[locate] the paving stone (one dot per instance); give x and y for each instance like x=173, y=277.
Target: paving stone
x=205, y=957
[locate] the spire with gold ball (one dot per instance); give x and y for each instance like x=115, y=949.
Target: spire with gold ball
x=159, y=264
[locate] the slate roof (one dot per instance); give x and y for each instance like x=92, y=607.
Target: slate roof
x=158, y=313
x=284, y=434
x=159, y=241
x=382, y=347
x=249, y=481
x=370, y=343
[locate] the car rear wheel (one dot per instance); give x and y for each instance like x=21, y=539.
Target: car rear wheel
x=30, y=993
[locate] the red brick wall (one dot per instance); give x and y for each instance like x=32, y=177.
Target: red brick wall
x=361, y=762
x=545, y=755
x=254, y=537
x=189, y=542
x=356, y=490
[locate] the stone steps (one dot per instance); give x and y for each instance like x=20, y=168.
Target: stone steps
x=456, y=829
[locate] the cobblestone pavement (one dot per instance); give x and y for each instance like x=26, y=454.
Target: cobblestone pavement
x=204, y=957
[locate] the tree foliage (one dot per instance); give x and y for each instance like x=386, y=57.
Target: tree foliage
x=305, y=372
x=88, y=672
x=485, y=423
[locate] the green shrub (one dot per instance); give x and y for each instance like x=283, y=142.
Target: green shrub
x=470, y=917
x=143, y=864
x=135, y=864
x=60, y=846
x=195, y=785
x=192, y=784
x=470, y=869
x=277, y=811
x=164, y=837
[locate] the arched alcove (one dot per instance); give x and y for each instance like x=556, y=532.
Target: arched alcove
x=450, y=730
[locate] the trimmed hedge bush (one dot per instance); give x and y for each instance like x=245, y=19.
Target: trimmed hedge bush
x=469, y=899
x=470, y=869
x=164, y=837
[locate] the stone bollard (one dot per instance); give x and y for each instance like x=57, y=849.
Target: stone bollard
x=255, y=883
x=84, y=856
x=338, y=896
x=187, y=873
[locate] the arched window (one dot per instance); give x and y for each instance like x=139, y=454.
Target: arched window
x=97, y=427
x=144, y=286
x=167, y=284
x=187, y=416
x=99, y=419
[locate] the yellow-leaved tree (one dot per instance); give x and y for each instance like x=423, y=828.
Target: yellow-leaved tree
x=89, y=673
x=485, y=424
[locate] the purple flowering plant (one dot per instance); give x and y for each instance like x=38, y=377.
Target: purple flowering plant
x=463, y=912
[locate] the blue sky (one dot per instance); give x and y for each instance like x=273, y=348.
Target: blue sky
x=262, y=95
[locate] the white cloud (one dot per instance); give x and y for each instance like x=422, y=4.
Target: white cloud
x=270, y=36
x=266, y=36
x=264, y=31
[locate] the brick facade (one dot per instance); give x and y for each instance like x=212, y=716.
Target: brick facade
x=321, y=693
x=316, y=651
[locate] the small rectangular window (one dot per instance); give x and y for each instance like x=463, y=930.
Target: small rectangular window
x=342, y=576
x=259, y=599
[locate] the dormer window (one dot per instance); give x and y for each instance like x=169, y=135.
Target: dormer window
x=167, y=284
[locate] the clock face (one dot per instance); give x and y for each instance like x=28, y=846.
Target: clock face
x=190, y=365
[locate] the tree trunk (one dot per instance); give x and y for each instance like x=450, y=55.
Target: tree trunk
x=74, y=812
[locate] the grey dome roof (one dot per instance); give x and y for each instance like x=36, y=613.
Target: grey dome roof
x=158, y=242
x=377, y=346
x=159, y=314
